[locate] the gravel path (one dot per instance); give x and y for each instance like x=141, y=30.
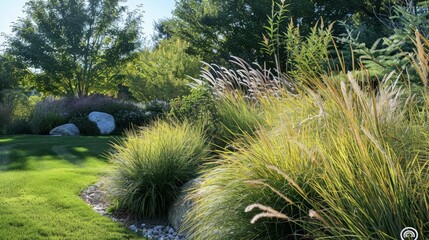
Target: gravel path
x=156, y=229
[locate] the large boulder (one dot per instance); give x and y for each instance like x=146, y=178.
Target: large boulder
x=105, y=122
x=65, y=130
x=181, y=206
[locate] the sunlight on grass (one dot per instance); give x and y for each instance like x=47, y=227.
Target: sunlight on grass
x=39, y=190
x=81, y=149
x=5, y=140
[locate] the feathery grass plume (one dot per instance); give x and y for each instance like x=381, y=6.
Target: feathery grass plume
x=252, y=81
x=151, y=164
x=316, y=215
x=267, y=212
x=420, y=60
x=357, y=171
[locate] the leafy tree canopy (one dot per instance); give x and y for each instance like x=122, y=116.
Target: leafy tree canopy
x=12, y=72
x=163, y=72
x=218, y=29
x=75, y=46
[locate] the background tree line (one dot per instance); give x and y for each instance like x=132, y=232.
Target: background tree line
x=82, y=47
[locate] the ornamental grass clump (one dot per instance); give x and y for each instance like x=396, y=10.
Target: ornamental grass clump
x=237, y=116
x=339, y=163
x=151, y=164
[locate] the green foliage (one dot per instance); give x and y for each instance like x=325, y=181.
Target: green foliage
x=18, y=126
x=125, y=119
x=14, y=105
x=306, y=56
x=11, y=72
x=198, y=108
x=224, y=120
x=195, y=106
x=46, y=115
x=218, y=29
x=272, y=43
x=5, y=116
x=156, y=108
x=162, y=73
x=391, y=53
x=78, y=46
x=189, y=24
x=18, y=101
x=310, y=57
x=16, y=108
x=151, y=164
x=144, y=115
x=319, y=170
x=86, y=127
x=225, y=101
x=40, y=180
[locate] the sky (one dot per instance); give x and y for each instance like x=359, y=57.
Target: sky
x=154, y=10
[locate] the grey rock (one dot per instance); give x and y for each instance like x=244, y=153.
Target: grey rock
x=133, y=228
x=105, y=122
x=182, y=205
x=65, y=130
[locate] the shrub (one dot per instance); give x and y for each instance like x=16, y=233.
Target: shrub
x=338, y=164
x=86, y=126
x=125, y=119
x=46, y=115
x=5, y=116
x=196, y=106
x=19, y=126
x=76, y=110
x=199, y=108
x=156, y=109
x=18, y=101
x=100, y=103
x=151, y=164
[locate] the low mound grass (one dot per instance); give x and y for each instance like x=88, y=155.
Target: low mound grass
x=151, y=164
x=40, y=181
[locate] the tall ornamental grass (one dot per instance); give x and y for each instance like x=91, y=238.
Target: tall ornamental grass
x=237, y=116
x=151, y=164
x=339, y=163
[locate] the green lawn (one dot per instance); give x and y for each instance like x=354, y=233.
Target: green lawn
x=40, y=179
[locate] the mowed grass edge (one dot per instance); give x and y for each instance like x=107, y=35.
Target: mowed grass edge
x=40, y=181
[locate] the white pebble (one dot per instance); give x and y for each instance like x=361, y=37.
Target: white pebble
x=133, y=228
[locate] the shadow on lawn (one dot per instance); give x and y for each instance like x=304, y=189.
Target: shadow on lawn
x=17, y=152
